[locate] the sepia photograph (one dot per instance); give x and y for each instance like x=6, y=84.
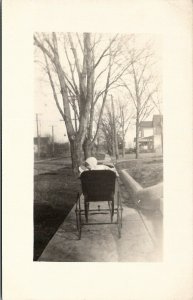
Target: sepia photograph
x=97, y=150
x=98, y=147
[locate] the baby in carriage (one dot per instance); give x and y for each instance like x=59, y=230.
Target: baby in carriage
x=92, y=164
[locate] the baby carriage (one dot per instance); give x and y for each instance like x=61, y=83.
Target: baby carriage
x=98, y=186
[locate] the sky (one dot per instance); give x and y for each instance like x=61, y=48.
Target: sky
x=47, y=113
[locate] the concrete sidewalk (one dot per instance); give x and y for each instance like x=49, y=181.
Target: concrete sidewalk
x=100, y=243
x=141, y=239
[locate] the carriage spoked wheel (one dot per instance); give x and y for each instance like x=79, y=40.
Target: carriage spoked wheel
x=119, y=214
x=78, y=224
x=78, y=216
x=121, y=208
x=111, y=209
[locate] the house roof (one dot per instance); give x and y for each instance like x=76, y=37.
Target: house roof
x=154, y=123
x=146, y=124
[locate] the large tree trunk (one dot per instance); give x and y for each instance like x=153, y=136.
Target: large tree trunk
x=82, y=86
x=87, y=148
x=86, y=93
x=88, y=145
x=76, y=154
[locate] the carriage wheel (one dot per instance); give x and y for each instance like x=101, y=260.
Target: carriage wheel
x=121, y=211
x=119, y=223
x=78, y=217
x=111, y=209
x=86, y=208
x=119, y=201
x=119, y=215
x=78, y=223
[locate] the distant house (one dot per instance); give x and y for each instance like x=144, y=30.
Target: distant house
x=150, y=135
x=45, y=143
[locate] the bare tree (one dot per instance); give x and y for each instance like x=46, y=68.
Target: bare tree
x=125, y=120
x=116, y=121
x=81, y=69
x=139, y=84
x=113, y=68
x=110, y=127
x=114, y=129
x=107, y=129
x=76, y=67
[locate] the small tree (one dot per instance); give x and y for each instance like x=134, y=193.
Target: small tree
x=110, y=127
x=125, y=118
x=107, y=130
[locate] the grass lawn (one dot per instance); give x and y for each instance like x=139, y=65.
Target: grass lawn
x=54, y=196
x=146, y=172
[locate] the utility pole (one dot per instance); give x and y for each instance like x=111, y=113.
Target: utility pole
x=38, y=135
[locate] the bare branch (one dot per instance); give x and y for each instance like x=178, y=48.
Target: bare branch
x=49, y=44
x=146, y=113
x=75, y=54
x=53, y=88
x=142, y=72
x=72, y=100
x=105, y=50
x=131, y=95
x=44, y=50
x=104, y=70
x=96, y=41
x=145, y=102
x=72, y=71
x=81, y=46
x=104, y=97
x=144, y=85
